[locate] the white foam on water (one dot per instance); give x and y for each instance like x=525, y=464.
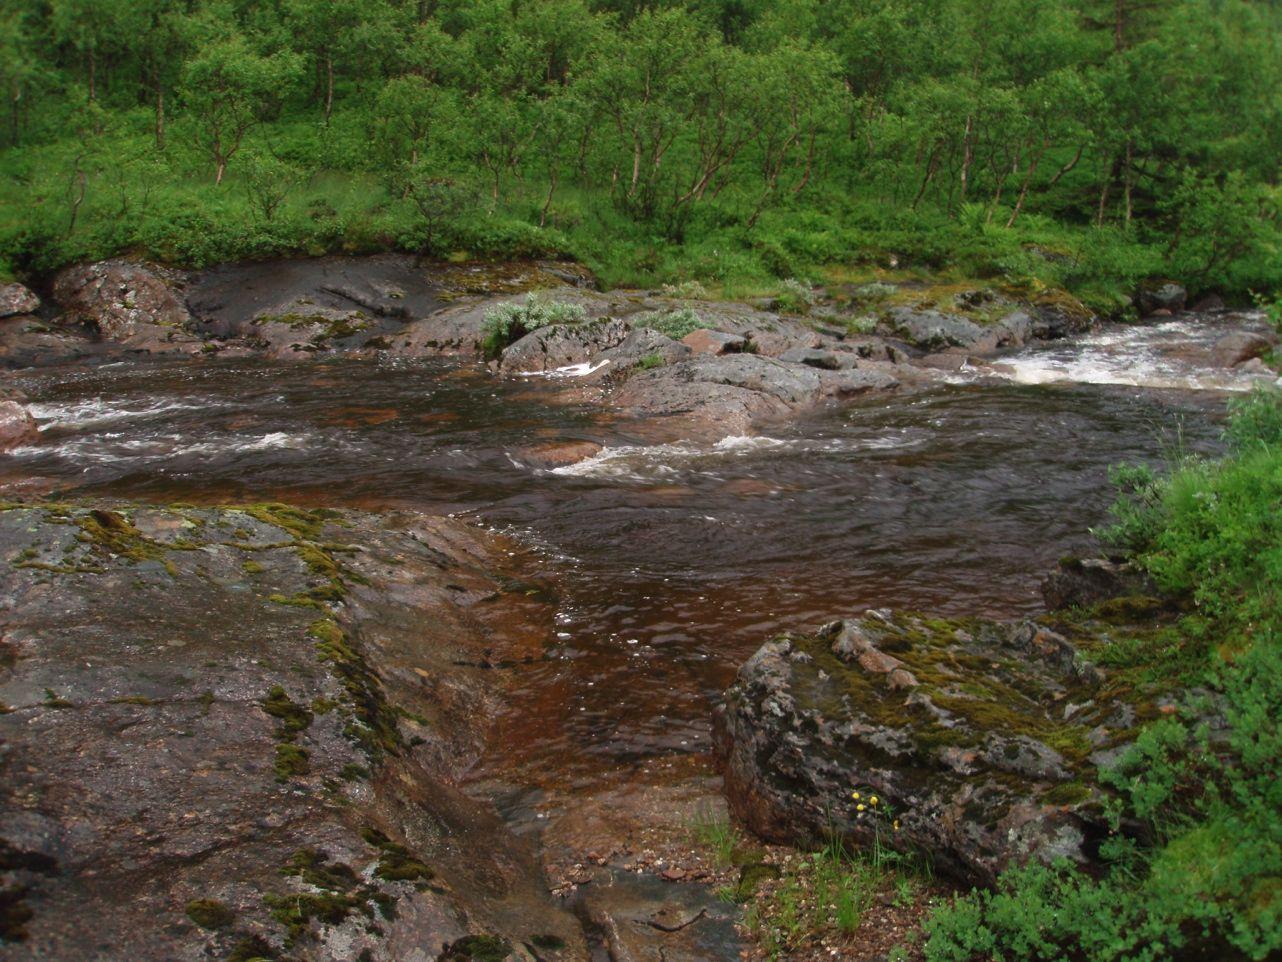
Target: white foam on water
x=570, y=370
x=685, y=459
x=1172, y=355
x=115, y=448
x=98, y=411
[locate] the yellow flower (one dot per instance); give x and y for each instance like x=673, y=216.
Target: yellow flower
x=859, y=807
x=896, y=825
x=855, y=796
x=873, y=800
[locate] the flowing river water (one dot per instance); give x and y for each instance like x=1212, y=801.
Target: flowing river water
x=673, y=562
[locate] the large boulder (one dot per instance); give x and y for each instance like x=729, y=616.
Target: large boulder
x=233, y=733
x=1056, y=314
x=1086, y=582
x=16, y=299
x=642, y=346
x=563, y=345
x=1161, y=295
x=934, y=330
x=1237, y=347
x=974, y=741
x=705, y=341
x=125, y=303
x=709, y=395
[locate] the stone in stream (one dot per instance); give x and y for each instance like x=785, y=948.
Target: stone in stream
x=1056, y=314
x=232, y=732
x=17, y=426
x=1238, y=347
x=16, y=299
x=974, y=741
x=1161, y=295
x=563, y=345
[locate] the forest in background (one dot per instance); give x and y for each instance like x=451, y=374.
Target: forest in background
x=1078, y=143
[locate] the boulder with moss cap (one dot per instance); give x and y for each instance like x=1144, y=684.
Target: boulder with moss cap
x=979, y=739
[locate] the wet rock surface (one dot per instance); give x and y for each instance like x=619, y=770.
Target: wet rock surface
x=17, y=426
x=127, y=304
x=16, y=299
x=1161, y=295
x=975, y=741
x=233, y=732
x=563, y=345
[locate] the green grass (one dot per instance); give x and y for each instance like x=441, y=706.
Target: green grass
x=716, y=834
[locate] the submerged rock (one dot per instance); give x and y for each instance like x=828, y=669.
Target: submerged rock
x=232, y=732
x=965, y=739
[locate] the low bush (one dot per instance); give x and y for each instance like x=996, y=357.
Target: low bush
x=508, y=322
x=676, y=323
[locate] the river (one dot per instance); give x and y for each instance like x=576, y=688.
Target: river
x=672, y=563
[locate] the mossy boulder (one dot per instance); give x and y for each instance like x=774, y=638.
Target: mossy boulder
x=1058, y=314
x=974, y=741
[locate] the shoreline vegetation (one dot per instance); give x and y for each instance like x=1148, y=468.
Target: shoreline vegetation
x=1082, y=145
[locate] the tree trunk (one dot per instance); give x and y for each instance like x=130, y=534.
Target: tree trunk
x=1126, y=181
x=810, y=164
x=547, y=202
x=160, y=114
x=329, y=87
x=1104, y=192
x=1028, y=179
x=1067, y=167
x=931, y=167
x=968, y=155
x=82, y=181
x=15, y=115
x=220, y=167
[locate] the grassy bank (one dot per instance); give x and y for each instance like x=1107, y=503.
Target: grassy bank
x=1196, y=861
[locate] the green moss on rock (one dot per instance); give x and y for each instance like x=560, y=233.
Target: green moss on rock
x=210, y=913
x=477, y=948
x=291, y=761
